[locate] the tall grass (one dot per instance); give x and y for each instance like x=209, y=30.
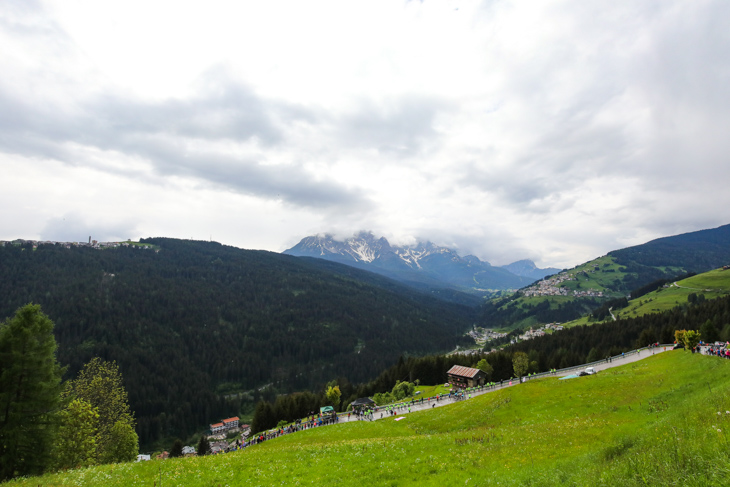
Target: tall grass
x=653, y=422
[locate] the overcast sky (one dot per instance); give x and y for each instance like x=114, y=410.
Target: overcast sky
x=550, y=130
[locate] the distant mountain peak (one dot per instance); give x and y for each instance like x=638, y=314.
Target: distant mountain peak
x=527, y=268
x=423, y=261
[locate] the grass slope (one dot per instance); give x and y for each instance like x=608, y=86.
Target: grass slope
x=714, y=284
x=661, y=421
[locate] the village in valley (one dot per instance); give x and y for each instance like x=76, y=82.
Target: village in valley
x=226, y=435
x=482, y=336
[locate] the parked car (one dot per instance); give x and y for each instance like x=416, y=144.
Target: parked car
x=590, y=371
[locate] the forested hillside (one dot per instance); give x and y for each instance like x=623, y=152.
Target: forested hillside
x=573, y=346
x=567, y=348
x=195, y=321
x=695, y=251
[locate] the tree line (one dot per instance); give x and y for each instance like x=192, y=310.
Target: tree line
x=48, y=424
x=203, y=331
x=567, y=348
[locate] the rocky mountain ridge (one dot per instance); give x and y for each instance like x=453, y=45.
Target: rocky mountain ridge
x=423, y=262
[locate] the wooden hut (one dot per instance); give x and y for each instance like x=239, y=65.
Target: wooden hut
x=463, y=377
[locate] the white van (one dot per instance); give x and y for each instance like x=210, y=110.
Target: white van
x=590, y=371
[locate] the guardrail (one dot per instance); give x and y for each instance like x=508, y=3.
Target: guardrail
x=600, y=362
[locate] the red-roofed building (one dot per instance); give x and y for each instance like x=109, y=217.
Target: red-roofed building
x=224, y=425
x=462, y=377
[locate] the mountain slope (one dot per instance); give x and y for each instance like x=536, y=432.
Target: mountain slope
x=576, y=292
x=424, y=263
x=527, y=268
x=196, y=320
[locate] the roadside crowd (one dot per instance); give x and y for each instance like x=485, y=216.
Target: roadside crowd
x=716, y=349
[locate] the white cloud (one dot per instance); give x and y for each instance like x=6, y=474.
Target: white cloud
x=555, y=130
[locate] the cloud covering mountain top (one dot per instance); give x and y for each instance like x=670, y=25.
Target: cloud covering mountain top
x=551, y=130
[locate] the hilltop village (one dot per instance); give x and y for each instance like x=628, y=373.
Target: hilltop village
x=552, y=287
x=91, y=243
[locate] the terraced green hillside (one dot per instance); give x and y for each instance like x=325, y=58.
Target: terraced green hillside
x=561, y=297
x=661, y=421
x=708, y=285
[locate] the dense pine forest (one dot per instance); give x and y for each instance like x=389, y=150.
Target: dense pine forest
x=202, y=331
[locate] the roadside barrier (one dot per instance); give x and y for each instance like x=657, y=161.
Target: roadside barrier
x=602, y=361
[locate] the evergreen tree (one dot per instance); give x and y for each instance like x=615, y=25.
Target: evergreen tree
x=203, y=446
x=263, y=417
x=30, y=386
x=176, y=450
x=709, y=332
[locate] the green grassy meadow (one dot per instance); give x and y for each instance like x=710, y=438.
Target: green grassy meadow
x=599, y=274
x=661, y=421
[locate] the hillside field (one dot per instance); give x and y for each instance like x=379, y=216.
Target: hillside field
x=660, y=421
x=712, y=285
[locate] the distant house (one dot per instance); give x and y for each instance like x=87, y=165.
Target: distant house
x=461, y=376
x=218, y=446
x=224, y=425
x=162, y=456
x=189, y=451
x=143, y=458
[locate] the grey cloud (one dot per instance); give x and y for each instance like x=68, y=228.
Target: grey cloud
x=402, y=127
x=223, y=110
x=72, y=227
x=158, y=133
x=287, y=182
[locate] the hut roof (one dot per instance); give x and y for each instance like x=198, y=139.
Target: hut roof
x=461, y=371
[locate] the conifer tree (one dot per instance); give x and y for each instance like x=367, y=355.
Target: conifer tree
x=176, y=450
x=30, y=386
x=203, y=446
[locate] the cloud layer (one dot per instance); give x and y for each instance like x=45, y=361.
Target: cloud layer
x=555, y=131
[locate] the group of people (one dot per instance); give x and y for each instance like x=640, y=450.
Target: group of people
x=309, y=422
x=719, y=350
x=314, y=421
